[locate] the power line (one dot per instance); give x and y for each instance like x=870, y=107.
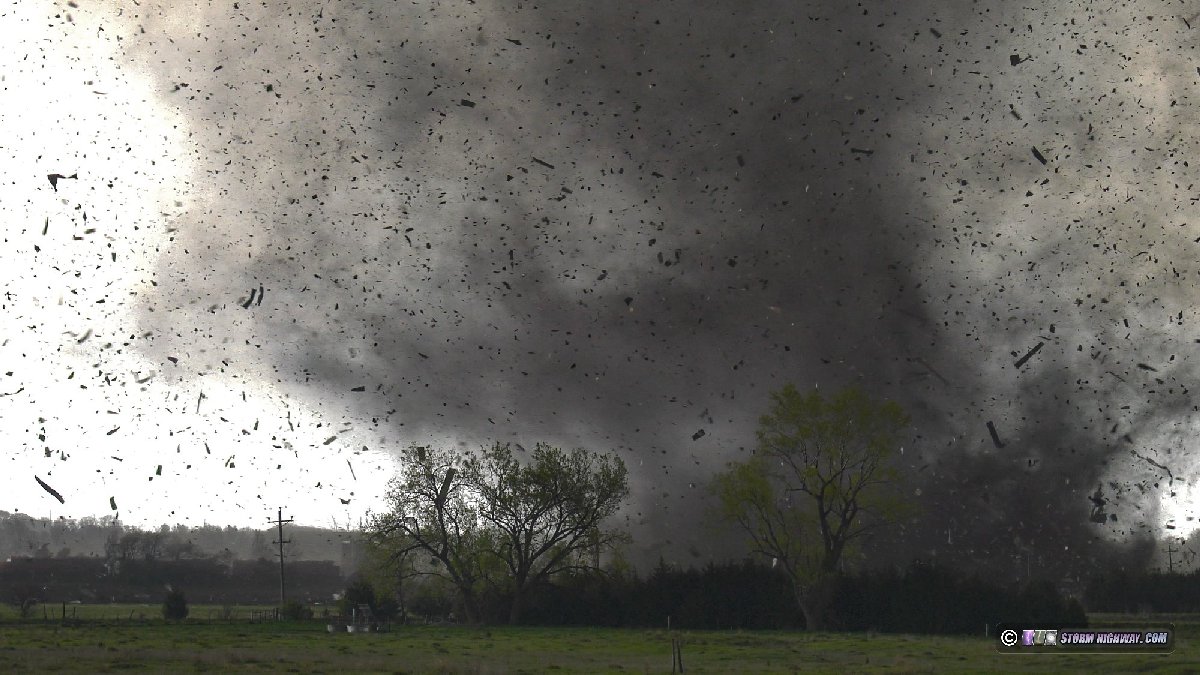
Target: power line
x=279, y=522
x=1171, y=551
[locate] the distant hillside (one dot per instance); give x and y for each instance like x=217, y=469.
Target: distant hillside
x=21, y=535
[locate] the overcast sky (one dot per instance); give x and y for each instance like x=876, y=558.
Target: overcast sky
x=610, y=225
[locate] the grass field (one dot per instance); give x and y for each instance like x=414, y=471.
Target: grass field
x=152, y=645
x=144, y=612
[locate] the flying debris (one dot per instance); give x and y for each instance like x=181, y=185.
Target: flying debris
x=52, y=491
x=1143, y=366
x=1021, y=361
x=698, y=435
x=112, y=502
x=467, y=103
x=1164, y=467
x=931, y=369
x=445, y=490
x=55, y=176
x=860, y=151
x=250, y=301
x=343, y=501
x=261, y=292
x=995, y=436
x=1038, y=155
x=545, y=164
x=1016, y=60
x=1098, y=502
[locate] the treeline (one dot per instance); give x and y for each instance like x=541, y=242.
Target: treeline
x=21, y=535
x=1148, y=592
x=922, y=598
x=205, y=580
x=733, y=595
x=932, y=599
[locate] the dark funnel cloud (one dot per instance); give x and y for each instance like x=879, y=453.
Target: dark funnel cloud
x=619, y=226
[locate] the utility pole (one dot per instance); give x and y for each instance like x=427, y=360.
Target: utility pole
x=1170, y=558
x=279, y=521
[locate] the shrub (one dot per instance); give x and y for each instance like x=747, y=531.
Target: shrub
x=358, y=592
x=431, y=599
x=294, y=610
x=25, y=607
x=175, y=605
x=386, y=608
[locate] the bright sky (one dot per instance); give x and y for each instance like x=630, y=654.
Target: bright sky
x=83, y=412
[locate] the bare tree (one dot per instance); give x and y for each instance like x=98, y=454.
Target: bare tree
x=151, y=544
x=122, y=547
x=24, y=596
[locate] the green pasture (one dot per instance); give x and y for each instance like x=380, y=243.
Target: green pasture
x=107, y=645
x=145, y=612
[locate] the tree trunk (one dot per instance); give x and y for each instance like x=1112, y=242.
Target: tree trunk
x=813, y=600
x=471, y=607
x=514, y=611
x=813, y=621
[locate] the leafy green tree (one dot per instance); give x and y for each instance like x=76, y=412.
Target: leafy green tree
x=492, y=523
x=431, y=508
x=546, y=514
x=818, y=481
x=392, y=565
